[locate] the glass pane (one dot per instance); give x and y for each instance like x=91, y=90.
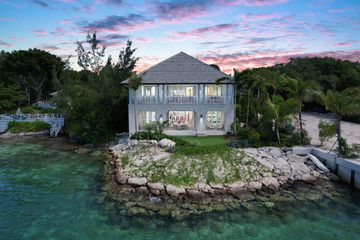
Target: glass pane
x=148, y=91
x=213, y=90
x=146, y=117
x=180, y=90
x=215, y=119
x=181, y=120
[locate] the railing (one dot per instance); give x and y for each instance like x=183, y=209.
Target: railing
x=181, y=99
x=214, y=99
x=147, y=99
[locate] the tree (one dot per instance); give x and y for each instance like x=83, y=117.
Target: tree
x=11, y=96
x=127, y=61
x=344, y=103
x=301, y=91
x=91, y=59
x=278, y=111
x=36, y=71
x=134, y=83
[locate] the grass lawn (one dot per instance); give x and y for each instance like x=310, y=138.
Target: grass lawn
x=206, y=141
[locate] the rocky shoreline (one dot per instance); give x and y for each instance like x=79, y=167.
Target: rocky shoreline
x=270, y=174
x=9, y=135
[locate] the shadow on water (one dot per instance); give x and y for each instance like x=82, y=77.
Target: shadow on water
x=49, y=191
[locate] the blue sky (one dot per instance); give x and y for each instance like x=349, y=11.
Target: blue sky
x=232, y=33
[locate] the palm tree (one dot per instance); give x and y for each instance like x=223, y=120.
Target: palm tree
x=134, y=83
x=302, y=91
x=278, y=110
x=344, y=103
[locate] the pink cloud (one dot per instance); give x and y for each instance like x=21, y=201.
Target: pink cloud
x=5, y=44
x=346, y=43
x=65, y=21
x=258, y=3
x=212, y=29
x=242, y=61
x=339, y=10
x=40, y=33
x=259, y=17
x=143, y=39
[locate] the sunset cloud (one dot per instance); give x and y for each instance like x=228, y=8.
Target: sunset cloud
x=114, y=23
x=242, y=61
x=5, y=44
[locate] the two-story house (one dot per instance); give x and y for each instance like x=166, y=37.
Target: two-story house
x=183, y=91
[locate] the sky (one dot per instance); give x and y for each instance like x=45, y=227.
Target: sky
x=238, y=34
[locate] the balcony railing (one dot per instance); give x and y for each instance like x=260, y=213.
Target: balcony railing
x=181, y=99
x=214, y=99
x=147, y=99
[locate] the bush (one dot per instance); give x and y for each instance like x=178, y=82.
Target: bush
x=21, y=127
x=158, y=136
x=250, y=137
x=28, y=109
x=326, y=130
x=293, y=138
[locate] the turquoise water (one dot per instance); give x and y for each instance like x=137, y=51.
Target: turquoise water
x=53, y=194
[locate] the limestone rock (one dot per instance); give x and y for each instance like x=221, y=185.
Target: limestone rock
x=237, y=185
x=156, y=186
x=136, y=181
x=164, y=143
x=154, y=142
x=174, y=191
x=253, y=186
x=271, y=182
x=195, y=194
x=142, y=190
x=121, y=178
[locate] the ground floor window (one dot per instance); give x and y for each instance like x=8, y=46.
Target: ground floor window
x=146, y=117
x=181, y=120
x=215, y=119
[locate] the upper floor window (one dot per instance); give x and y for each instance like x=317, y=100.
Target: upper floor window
x=181, y=90
x=213, y=90
x=147, y=91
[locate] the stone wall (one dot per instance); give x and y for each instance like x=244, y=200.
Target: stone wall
x=347, y=169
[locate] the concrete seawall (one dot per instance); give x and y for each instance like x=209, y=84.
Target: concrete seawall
x=347, y=169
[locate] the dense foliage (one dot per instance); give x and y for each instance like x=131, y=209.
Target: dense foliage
x=21, y=127
x=94, y=103
x=268, y=99
x=27, y=76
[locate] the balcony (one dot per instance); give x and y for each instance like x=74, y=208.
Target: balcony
x=181, y=99
x=146, y=99
x=214, y=100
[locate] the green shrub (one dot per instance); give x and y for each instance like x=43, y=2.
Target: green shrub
x=21, y=127
x=158, y=136
x=326, y=130
x=47, y=111
x=293, y=138
x=28, y=110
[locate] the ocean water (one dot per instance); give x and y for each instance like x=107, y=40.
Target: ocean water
x=48, y=193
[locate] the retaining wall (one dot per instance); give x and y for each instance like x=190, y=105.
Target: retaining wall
x=347, y=169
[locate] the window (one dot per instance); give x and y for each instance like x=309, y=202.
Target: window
x=181, y=90
x=147, y=91
x=146, y=117
x=215, y=119
x=213, y=90
x=181, y=120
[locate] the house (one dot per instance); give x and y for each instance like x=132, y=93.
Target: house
x=185, y=92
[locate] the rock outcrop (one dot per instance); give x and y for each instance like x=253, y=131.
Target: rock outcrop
x=263, y=170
